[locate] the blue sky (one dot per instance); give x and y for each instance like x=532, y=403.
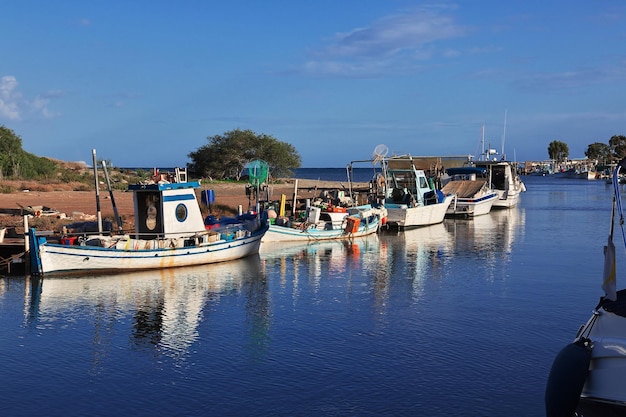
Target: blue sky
x=146, y=82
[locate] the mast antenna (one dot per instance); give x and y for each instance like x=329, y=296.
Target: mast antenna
x=504, y=135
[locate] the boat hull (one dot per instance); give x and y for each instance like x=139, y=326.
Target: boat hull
x=137, y=255
x=506, y=199
x=472, y=207
x=278, y=233
x=405, y=217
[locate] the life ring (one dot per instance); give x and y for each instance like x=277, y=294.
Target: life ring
x=38, y=213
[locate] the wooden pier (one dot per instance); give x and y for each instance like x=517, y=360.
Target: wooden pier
x=12, y=256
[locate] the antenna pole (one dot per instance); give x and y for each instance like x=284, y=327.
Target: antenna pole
x=504, y=134
x=95, y=175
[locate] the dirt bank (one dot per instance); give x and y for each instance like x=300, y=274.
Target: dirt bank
x=81, y=205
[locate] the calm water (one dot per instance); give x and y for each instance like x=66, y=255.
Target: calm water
x=458, y=319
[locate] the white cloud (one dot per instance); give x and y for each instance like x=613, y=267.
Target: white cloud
x=13, y=105
x=9, y=98
x=396, y=41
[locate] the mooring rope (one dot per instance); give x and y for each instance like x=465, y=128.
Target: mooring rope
x=618, y=199
x=4, y=262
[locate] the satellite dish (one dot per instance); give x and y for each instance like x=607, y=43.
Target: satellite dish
x=380, y=151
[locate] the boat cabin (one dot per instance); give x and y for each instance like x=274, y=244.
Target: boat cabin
x=166, y=209
x=406, y=184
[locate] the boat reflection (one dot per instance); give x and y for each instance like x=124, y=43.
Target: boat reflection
x=418, y=254
x=490, y=235
x=335, y=255
x=298, y=264
x=165, y=306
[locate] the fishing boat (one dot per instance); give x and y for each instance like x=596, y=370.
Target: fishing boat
x=591, y=368
x=410, y=197
x=505, y=181
x=169, y=232
x=330, y=216
x=473, y=195
x=326, y=222
x=502, y=175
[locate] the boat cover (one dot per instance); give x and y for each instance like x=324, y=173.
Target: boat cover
x=463, y=188
x=466, y=171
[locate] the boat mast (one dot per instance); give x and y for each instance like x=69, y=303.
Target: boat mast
x=483, y=156
x=504, y=135
x=95, y=175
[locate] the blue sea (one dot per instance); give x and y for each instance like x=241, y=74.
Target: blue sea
x=462, y=318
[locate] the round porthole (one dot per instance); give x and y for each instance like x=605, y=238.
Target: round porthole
x=181, y=212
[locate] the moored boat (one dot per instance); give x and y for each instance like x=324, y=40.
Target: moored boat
x=410, y=198
x=505, y=180
x=169, y=232
x=473, y=195
x=327, y=223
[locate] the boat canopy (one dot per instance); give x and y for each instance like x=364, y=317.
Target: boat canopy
x=466, y=171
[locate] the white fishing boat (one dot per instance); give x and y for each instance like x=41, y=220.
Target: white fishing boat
x=473, y=195
x=410, y=198
x=169, y=232
x=505, y=181
x=327, y=223
x=592, y=367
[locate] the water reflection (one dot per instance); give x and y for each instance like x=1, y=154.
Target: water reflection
x=487, y=235
x=416, y=255
x=317, y=259
x=165, y=307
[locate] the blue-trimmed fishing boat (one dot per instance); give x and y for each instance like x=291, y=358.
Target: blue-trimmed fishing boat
x=169, y=232
x=328, y=224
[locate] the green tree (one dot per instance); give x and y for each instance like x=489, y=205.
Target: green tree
x=18, y=164
x=558, y=151
x=600, y=152
x=226, y=156
x=617, y=143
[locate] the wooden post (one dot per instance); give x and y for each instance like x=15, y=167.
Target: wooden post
x=283, y=203
x=95, y=176
x=26, y=246
x=118, y=219
x=295, y=198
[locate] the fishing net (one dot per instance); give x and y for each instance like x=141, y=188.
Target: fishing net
x=257, y=172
